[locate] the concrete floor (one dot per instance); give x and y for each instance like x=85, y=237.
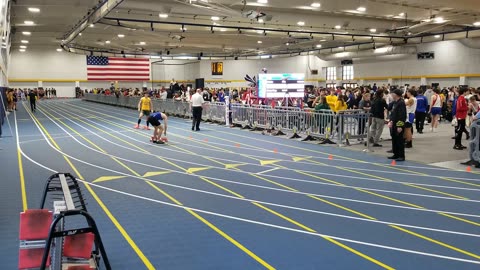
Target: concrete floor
x=429, y=148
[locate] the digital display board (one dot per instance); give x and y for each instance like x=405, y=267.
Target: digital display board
x=281, y=85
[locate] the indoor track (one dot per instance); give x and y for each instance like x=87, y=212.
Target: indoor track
x=226, y=198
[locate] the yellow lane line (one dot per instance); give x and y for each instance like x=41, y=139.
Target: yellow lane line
x=117, y=224
x=236, y=243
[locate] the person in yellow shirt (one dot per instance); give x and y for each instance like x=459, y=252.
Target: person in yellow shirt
x=340, y=104
x=145, y=108
x=331, y=100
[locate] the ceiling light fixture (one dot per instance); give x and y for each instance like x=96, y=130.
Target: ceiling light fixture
x=107, y=42
x=476, y=24
x=163, y=15
x=259, y=42
x=80, y=34
x=260, y=20
x=315, y=5
x=436, y=36
x=59, y=50
x=373, y=30
x=91, y=25
x=259, y=31
x=401, y=14
x=215, y=18
x=22, y=50
x=121, y=35
x=338, y=26
x=319, y=45
x=23, y=47
x=26, y=33
x=29, y=22
x=361, y=9
x=262, y=1
x=33, y=9
x=287, y=43
x=142, y=43
x=301, y=23
x=439, y=20
x=24, y=41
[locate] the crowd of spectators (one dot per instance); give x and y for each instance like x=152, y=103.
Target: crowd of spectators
x=16, y=94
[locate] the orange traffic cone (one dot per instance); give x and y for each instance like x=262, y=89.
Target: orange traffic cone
x=393, y=163
x=237, y=145
x=205, y=140
x=469, y=168
x=330, y=157
x=190, y=137
x=275, y=150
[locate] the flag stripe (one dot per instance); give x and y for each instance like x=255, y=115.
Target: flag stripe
x=128, y=59
x=132, y=74
x=116, y=79
x=117, y=69
x=130, y=65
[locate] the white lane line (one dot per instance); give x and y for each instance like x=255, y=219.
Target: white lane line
x=427, y=254
x=287, y=178
x=416, y=174
x=233, y=197
x=269, y=170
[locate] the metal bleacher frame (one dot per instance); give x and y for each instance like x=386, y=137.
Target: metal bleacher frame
x=64, y=189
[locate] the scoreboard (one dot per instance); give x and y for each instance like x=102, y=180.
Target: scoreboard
x=281, y=85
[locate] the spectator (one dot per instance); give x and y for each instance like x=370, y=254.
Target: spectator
x=473, y=108
x=332, y=99
x=461, y=115
x=196, y=107
x=340, y=104
x=365, y=104
x=397, y=125
x=377, y=112
x=435, y=109
x=421, y=111
x=411, y=105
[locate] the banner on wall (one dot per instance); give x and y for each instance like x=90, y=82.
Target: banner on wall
x=217, y=68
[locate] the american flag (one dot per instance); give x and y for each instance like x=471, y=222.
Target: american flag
x=102, y=68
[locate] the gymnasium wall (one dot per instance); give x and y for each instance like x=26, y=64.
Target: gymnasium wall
x=63, y=70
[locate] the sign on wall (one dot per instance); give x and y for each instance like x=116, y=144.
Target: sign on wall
x=217, y=68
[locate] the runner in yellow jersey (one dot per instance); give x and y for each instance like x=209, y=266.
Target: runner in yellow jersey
x=145, y=108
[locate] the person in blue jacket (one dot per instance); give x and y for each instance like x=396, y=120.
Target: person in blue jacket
x=154, y=119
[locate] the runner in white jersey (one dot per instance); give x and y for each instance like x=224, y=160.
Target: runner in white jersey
x=411, y=104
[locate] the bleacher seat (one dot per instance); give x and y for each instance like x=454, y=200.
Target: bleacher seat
x=78, y=246
x=31, y=258
x=35, y=224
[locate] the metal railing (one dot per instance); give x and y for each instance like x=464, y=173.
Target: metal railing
x=324, y=125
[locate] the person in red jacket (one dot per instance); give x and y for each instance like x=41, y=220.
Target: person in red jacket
x=461, y=115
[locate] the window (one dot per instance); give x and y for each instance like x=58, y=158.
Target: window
x=347, y=73
x=331, y=73
x=350, y=85
x=331, y=85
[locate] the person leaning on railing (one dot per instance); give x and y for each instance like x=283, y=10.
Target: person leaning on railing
x=322, y=120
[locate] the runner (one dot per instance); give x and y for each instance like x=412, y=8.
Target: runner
x=144, y=107
x=155, y=119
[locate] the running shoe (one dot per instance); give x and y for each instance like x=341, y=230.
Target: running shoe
x=136, y=127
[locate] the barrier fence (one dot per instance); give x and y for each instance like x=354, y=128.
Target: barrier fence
x=323, y=125
x=475, y=141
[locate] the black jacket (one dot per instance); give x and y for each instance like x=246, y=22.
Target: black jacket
x=378, y=108
x=399, y=113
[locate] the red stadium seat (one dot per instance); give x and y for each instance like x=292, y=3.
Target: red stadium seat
x=35, y=224
x=31, y=258
x=78, y=246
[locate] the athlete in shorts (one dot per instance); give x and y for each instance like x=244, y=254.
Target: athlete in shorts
x=145, y=108
x=155, y=119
